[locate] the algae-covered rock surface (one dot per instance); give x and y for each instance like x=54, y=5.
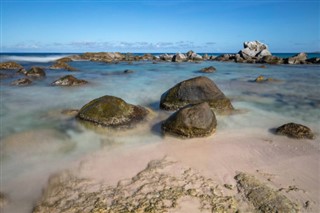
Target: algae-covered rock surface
x=294, y=130
x=155, y=189
x=195, y=90
x=10, y=65
x=112, y=111
x=192, y=121
x=68, y=80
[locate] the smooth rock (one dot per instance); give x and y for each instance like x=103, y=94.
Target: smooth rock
x=191, y=121
x=111, y=111
x=10, y=65
x=294, y=130
x=297, y=59
x=36, y=72
x=21, y=82
x=68, y=80
x=193, y=91
x=179, y=57
x=208, y=69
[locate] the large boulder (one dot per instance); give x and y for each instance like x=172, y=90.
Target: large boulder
x=297, y=59
x=179, y=57
x=254, y=49
x=193, y=91
x=68, y=80
x=191, y=121
x=111, y=111
x=36, y=72
x=10, y=65
x=294, y=130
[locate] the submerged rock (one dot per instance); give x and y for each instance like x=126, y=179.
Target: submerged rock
x=21, y=82
x=62, y=65
x=263, y=198
x=111, y=111
x=191, y=121
x=262, y=79
x=294, y=130
x=193, y=91
x=208, y=69
x=128, y=71
x=36, y=72
x=10, y=65
x=68, y=80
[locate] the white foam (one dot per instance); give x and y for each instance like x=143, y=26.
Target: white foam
x=41, y=59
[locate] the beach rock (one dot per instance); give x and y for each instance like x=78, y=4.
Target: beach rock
x=238, y=58
x=189, y=54
x=63, y=66
x=193, y=91
x=206, y=57
x=68, y=80
x=225, y=57
x=191, y=121
x=297, y=59
x=36, y=72
x=208, y=69
x=294, y=130
x=270, y=59
x=262, y=197
x=64, y=60
x=148, y=57
x=179, y=57
x=254, y=49
x=22, y=71
x=3, y=200
x=21, y=82
x=128, y=71
x=314, y=60
x=111, y=111
x=166, y=57
x=103, y=56
x=10, y=65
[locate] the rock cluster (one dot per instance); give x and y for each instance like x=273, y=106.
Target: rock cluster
x=208, y=69
x=68, y=80
x=10, y=65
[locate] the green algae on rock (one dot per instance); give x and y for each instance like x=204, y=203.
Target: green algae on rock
x=36, y=72
x=112, y=111
x=294, y=130
x=195, y=90
x=263, y=198
x=191, y=121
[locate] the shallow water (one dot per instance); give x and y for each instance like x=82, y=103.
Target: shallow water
x=32, y=114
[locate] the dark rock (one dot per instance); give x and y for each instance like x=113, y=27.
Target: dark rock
x=68, y=80
x=166, y=57
x=225, y=57
x=191, y=121
x=10, y=65
x=208, y=69
x=36, y=72
x=189, y=54
x=193, y=91
x=270, y=59
x=64, y=60
x=128, y=71
x=21, y=82
x=62, y=65
x=111, y=111
x=297, y=59
x=314, y=60
x=294, y=130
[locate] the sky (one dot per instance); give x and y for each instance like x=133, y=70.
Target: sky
x=158, y=26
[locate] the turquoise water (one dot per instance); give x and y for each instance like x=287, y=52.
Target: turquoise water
x=29, y=114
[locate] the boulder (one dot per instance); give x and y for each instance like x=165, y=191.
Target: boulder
x=21, y=82
x=10, y=65
x=225, y=57
x=314, y=60
x=62, y=65
x=208, y=69
x=166, y=57
x=148, y=57
x=189, y=54
x=206, y=57
x=191, y=121
x=3, y=200
x=179, y=57
x=254, y=49
x=64, y=60
x=68, y=80
x=36, y=72
x=297, y=59
x=111, y=111
x=270, y=59
x=193, y=91
x=294, y=130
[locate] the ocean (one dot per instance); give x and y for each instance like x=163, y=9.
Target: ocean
x=39, y=140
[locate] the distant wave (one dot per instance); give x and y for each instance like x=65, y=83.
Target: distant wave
x=41, y=59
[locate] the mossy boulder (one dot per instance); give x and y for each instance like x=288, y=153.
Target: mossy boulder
x=191, y=121
x=36, y=72
x=208, y=69
x=112, y=111
x=21, y=82
x=10, y=65
x=294, y=130
x=193, y=91
x=68, y=80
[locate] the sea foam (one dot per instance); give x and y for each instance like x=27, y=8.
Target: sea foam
x=40, y=59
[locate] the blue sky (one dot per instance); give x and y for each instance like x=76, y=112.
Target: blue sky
x=158, y=26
